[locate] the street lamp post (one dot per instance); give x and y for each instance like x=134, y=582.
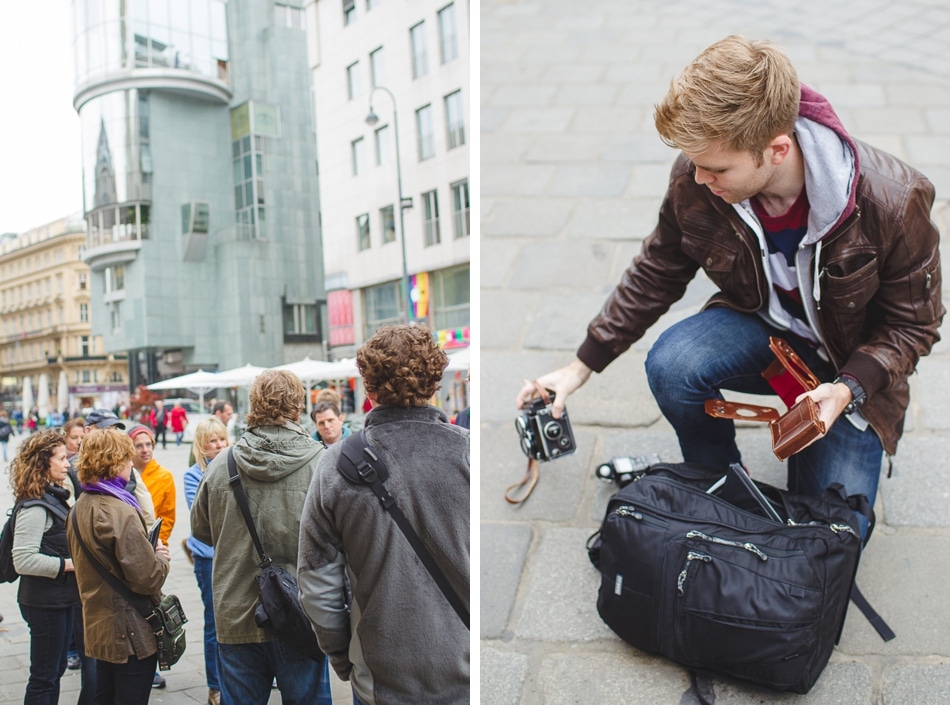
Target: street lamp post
x=372, y=119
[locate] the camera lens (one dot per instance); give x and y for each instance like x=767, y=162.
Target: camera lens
x=526, y=447
x=520, y=426
x=552, y=430
x=564, y=442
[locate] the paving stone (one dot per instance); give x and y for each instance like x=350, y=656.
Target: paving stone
x=613, y=219
x=918, y=492
x=507, y=329
x=501, y=254
x=539, y=120
x=536, y=217
x=545, y=266
x=604, y=181
x=564, y=148
x=515, y=179
x=503, y=549
x=924, y=684
x=502, y=675
x=840, y=683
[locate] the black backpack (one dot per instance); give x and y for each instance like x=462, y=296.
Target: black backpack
x=8, y=573
x=757, y=593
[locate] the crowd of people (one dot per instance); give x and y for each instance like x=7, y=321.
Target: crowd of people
x=88, y=493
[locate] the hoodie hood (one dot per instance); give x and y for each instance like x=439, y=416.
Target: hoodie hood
x=270, y=453
x=831, y=165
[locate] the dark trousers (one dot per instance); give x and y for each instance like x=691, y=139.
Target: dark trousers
x=49, y=640
x=160, y=433
x=128, y=683
x=87, y=692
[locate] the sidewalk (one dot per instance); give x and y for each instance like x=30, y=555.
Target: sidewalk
x=186, y=680
x=572, y=177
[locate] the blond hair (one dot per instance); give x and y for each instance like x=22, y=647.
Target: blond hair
x=276, y=396
x=102, y=454
x=204, y=432
x=743, y=92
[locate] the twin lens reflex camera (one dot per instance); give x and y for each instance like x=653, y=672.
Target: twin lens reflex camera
x=544, y=437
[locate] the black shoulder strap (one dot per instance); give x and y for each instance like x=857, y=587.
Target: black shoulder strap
x=238, y=489
x=133, y=599
x=359, y=464
x=59, y=511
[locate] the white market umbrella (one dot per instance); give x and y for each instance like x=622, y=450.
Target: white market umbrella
x=62, y=392
x=199, y=382
x=459, y=360
x=239, y=376
x=308, y=370
x=42, y=396
x=27, y=396
x=343, y=369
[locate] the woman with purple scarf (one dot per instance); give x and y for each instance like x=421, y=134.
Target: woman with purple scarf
x=111, y=525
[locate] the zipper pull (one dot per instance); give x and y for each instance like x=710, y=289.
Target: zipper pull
x=628, y=510
x=681, y=579
x=842, y=528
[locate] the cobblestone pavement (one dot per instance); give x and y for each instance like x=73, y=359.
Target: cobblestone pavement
x=572, y=174
x=186, y=680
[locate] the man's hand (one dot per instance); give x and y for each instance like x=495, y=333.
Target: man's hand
x=831, y=399
x=562, y=382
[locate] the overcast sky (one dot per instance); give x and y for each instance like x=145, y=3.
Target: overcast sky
x=40, y=153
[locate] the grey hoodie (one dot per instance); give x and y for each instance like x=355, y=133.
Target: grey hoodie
x=401, y=643
x=276, y=465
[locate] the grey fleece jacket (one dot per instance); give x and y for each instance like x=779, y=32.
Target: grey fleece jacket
x=402, y=643
x=276, y=465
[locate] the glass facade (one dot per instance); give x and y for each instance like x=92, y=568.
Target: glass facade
x=117, y=166
x=115, y=36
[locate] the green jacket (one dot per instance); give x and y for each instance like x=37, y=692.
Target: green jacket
x=276, y=464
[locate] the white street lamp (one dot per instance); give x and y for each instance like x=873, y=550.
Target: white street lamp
x=372, y=119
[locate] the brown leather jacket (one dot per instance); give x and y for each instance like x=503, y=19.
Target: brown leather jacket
x=878, y=276
x=115, y=532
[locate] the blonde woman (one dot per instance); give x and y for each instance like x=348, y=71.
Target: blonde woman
x=211, y=437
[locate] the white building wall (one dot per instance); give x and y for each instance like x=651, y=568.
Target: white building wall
x=340, y=120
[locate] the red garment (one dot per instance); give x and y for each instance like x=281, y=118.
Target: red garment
x=178, y=419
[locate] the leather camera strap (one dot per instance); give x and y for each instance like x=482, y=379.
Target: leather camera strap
x=529, y=480
x=722, y=409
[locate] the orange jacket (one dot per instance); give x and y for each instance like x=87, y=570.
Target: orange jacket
x=161, y=485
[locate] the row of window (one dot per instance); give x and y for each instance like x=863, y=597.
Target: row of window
x=25, y=265
x=22, y=353
x=33, y=321
x=419, y=53
x=449, y=301
x=33, y=291
x=431, y=227
x=425, y=135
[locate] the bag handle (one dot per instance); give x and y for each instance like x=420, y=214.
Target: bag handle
x=235, y=483
x=361, y=465
x=132, y=598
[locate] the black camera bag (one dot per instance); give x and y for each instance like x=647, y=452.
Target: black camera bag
x=723, y=590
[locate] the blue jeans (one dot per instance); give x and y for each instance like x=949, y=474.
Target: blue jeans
x=128, y=683
x=203, y=575
x=50, y=628
x=247, y=671
x=722, y=349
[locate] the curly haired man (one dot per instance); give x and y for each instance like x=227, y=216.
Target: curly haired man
x=398, y=640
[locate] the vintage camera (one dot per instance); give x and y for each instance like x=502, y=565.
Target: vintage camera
x=625, y=469
x=544, y=437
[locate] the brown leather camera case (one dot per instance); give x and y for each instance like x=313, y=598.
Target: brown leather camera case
x=796, y=429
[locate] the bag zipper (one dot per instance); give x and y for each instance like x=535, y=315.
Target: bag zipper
x=690, y=557
x=748, y=546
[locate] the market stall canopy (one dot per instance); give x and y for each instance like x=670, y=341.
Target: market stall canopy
x=239, y=376
x=62, y=391
x=309, y=370
x=459, y=360
x=199, y=381
x=27, y=396
x=42, y=396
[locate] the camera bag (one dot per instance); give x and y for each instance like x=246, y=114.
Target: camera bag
x=167, y=619
x=729, y=591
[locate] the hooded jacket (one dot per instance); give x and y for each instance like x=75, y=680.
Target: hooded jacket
x=276, y=464
x=868, y=266
x=400, y=643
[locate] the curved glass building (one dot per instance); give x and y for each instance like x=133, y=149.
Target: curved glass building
x=199, y=181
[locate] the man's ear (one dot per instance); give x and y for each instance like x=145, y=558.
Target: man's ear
x=779, y=149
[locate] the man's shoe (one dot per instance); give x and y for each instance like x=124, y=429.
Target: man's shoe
x=158, y=681
x=214, y=697
x=72, y=663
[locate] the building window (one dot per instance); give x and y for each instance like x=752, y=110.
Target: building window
x=114, y=278
x=420, y=59
x=358, y=149
x=455, y=119
x=82, y=281
x=382, y=305
x=384, y=146
x=362, y=232
x=116, y=376
x=85, y=346
x=448, y=34
x=460, y=208
x=248, y=167
x=353, y=80
x=115, y=316
x=349, y=12
x=450, y=294
x=424, y=133
x=81, y=252
x=301, y=320
x=288, y=16
x=430, y=217
x=387, y=224
x=377, y=68
x=86, y=377
x=84, y=313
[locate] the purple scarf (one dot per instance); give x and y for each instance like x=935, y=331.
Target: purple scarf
x=114, y=487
